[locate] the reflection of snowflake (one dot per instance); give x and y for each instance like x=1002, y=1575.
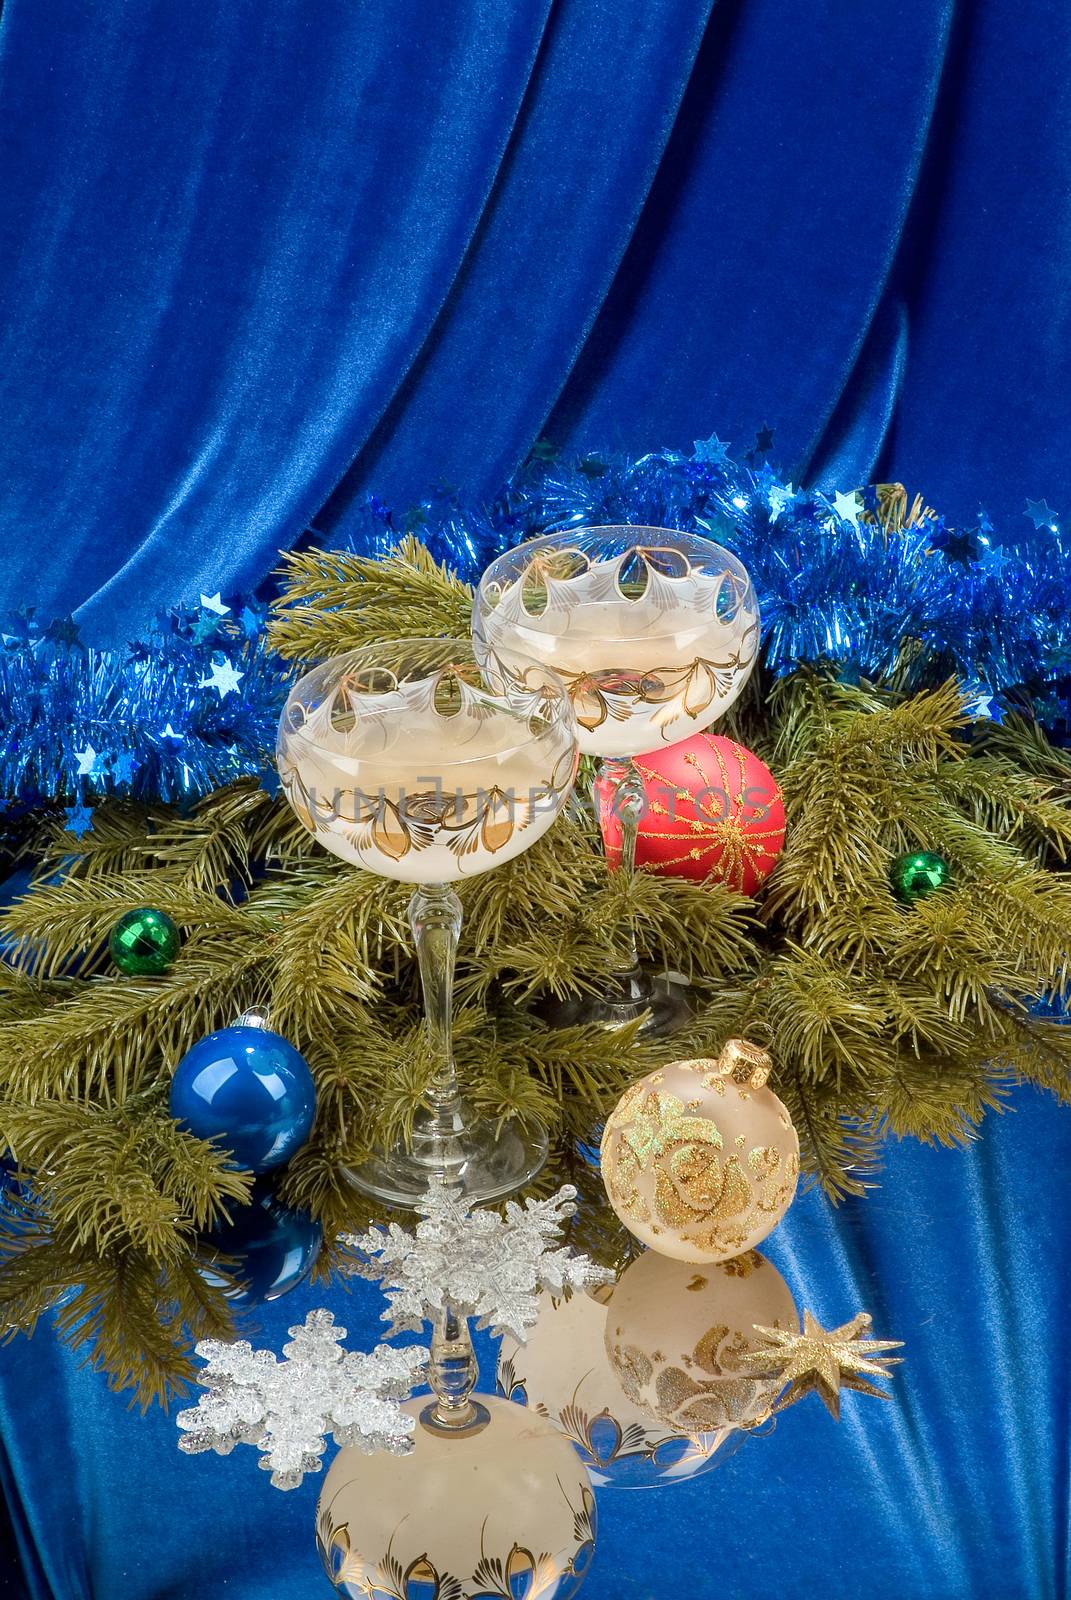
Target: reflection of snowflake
x=286, y=1407
x=482, y=1264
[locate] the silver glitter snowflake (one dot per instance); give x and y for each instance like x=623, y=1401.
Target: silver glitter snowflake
x=483, y=1264
x=285, y=1408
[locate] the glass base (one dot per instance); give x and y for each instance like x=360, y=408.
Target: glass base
x=474, y=1419
x=481, y=1161
x=666, y=1002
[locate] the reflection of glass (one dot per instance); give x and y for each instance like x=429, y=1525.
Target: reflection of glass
x=407, y=760
x=654, y=633
x=491, y=1502
x=502, y=1511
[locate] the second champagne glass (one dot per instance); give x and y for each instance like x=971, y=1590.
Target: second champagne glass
x=406, y=759
x=654, y=632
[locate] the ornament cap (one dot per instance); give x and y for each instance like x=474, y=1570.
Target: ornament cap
x=255, y=1017
x=746, y=1063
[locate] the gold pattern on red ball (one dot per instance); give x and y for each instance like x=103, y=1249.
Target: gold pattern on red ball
x=713, y=810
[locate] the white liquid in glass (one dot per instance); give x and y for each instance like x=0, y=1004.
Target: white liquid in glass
x=641, y=671
x=412, y=794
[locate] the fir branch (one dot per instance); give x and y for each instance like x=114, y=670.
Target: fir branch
x=118, y=842
x=1022, y=743
x=335, y=601
x=124, y=1176
x=1002, y=799
x=214, y=845
x=839, y=1150
x=70, y=918
x=339, y=937
x=132, y=1323
x=106, y=1037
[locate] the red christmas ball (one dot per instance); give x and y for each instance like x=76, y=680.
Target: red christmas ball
x=712, y=810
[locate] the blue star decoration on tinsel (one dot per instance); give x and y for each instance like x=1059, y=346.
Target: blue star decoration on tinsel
x=124, y=767
x=211, y=619
x=17, y=629
x=223, y=677
x=64, y=630
x=779, y=497
x=79, y=819
x=847, y=508
x=89, y=762
x=714, y=450
x=982, y=704
x=962, y=545
x=1041, y=514
x=206, y=627
x=995, y=562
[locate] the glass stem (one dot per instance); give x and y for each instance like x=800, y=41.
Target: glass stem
x=452, y=1371
x=629, y=800
x=435, y=918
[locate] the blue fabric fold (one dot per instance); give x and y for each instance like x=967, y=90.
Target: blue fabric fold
x=600, y=107
x=228, y=231
x=770, y=234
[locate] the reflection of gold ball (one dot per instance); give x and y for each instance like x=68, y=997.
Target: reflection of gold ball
x=675, y=1334
x=562, y=1372
x=505, y=1510
x=700, y=1159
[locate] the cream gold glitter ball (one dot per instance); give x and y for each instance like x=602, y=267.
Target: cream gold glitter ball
x=675, y=1333
x=700, y=1159
x=506, y=1510
x=562, y=1372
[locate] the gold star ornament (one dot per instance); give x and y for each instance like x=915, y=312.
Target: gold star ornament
x=822, y=1360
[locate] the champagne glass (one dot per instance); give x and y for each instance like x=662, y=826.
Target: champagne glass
x=406, y=759
x=654, y=632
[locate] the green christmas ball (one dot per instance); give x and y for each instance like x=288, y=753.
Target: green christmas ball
x=918, y=874
x=144, y=942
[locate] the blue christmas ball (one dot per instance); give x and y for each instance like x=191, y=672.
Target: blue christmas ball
x=248, y=1089
x=271, y=1248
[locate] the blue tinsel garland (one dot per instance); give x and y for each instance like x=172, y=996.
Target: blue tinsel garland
x=990, y=606
x=195, y=704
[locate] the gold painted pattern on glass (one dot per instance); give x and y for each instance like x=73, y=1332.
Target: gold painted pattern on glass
x=519, y=1574
x=565, y=580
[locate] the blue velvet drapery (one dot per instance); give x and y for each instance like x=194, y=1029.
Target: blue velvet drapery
x=957, y=1490
x=259, y=259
